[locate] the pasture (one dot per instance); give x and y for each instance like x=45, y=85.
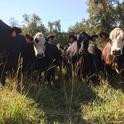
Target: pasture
x=64, y=65
x=73, y=102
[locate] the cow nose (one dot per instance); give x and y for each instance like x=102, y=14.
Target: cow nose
x=80, y=52
x=116, y=52
x=39, y=55
x=36, y=40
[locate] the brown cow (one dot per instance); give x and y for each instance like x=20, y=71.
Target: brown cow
x=106, y=54
x=113, y=54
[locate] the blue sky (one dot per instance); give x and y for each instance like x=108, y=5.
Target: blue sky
x=68, y=11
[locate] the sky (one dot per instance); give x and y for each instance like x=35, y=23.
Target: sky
x=68, y=11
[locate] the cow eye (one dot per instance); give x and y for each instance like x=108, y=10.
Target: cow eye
x=36, y=40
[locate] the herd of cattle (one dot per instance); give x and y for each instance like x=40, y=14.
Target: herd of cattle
x=79, y=59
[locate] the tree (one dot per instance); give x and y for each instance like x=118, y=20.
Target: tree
x=104, y=14
x=57, y=25
x=54, y=26
x=13, y=22
x=79, y=27
x=32, y=24
x=120, y=13
x=50, y=26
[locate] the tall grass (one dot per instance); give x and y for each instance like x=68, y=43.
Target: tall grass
x=107, y=108
x=72, y=102
x=16, y=108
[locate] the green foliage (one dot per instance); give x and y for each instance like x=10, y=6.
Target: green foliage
x=16, y=108
x=120, y=14
x=33, y=25
x=13, y=22
x=61, y=39
x=54, y=26
x=104, y=15
x=79, y=27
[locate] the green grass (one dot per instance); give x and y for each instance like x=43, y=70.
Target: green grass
x=71, y=102
x=16, y=108
x=108, y=108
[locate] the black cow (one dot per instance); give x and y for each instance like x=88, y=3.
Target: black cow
x=94, y=50
x=83, y=62
x=11, y=49
x=49, y=56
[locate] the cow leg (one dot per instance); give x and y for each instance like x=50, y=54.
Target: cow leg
x=2, y=79
x=69, y=69
x=108, y=71
x=50, y=76
x=2, y=75
x=39, y=75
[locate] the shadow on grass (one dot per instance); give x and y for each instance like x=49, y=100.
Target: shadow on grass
x=114, y=79
x=117, y=84
x=63, y=104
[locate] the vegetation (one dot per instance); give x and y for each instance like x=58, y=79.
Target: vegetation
x=107, y=108
x=16, y=108
x=73, y=102
x=104, y=15
x=33, y=25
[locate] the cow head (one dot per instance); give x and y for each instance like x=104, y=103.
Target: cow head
x=39, y=44
x=83, y=42
x=116, y=41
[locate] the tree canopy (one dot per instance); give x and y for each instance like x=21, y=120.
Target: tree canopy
x=33, y=24
x=104, y=15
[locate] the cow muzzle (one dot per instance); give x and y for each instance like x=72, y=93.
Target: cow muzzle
x=40, y=55
x=116, y=52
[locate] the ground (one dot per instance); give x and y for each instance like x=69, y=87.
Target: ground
x=74, y=102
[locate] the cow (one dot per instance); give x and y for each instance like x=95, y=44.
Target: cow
x=117, y=41
x=49, y=56
x=28, y=54
x=113, y=52
x=17, y=52
x=41, y=56
x=83, y=62
x=94, y=50
x=9, y=50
